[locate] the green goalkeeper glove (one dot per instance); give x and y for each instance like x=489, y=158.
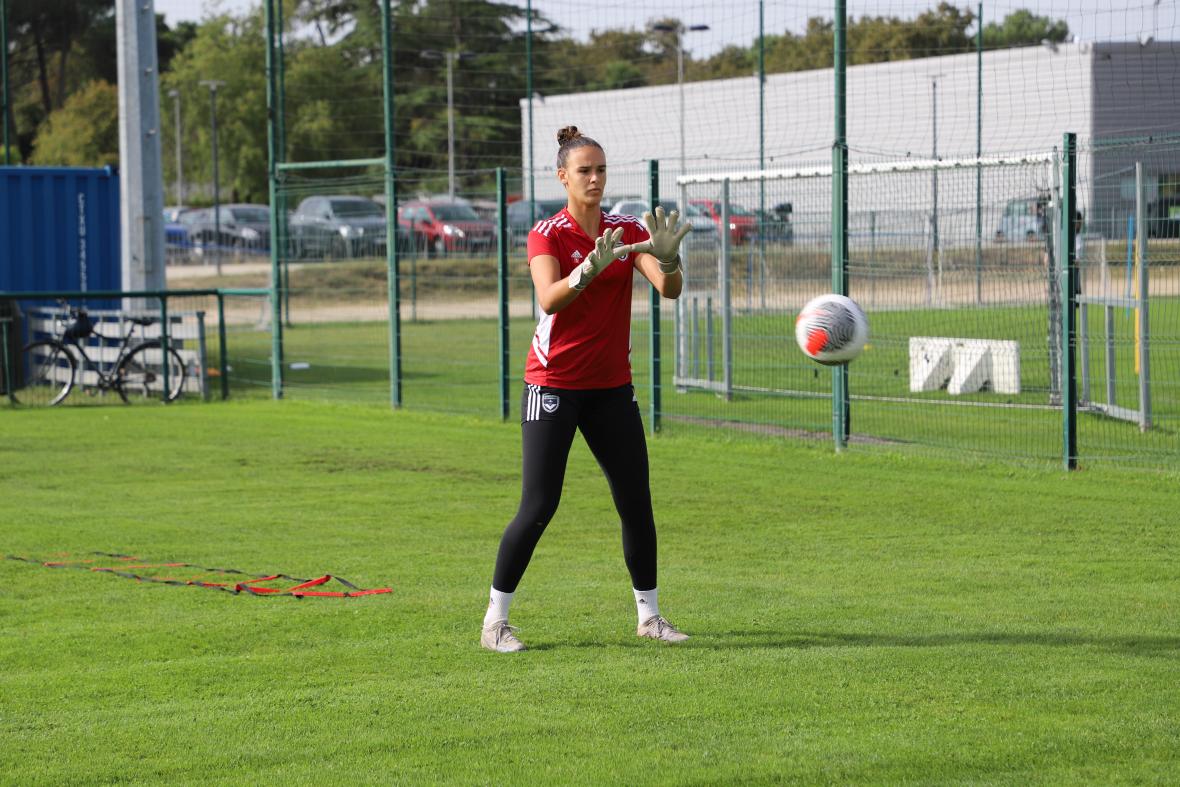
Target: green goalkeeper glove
x=665, y=238
x=605, y=252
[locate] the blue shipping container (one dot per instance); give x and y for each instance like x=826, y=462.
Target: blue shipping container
x=59, y=229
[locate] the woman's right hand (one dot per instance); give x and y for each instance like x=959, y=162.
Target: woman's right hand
x=605, y=252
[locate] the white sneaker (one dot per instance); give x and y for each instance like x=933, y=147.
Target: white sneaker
x=500, y=637
x=656, y=627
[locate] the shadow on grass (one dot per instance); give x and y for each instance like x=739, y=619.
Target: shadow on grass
x=1135, y=644
x=1128, y=644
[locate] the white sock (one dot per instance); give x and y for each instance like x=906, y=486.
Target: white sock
x=647, y=603
x=497, y=607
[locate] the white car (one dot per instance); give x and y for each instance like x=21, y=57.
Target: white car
x=704, y=231
x=1024, y=219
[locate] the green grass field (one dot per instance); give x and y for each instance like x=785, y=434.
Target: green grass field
x=865, y=617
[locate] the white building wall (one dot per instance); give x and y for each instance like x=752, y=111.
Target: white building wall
x=1031, y=97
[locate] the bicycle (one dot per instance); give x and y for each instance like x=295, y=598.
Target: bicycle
x=135, y=374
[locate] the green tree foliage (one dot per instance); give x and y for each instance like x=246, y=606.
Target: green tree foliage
x=84, y=132
x=333, y=77
x=60, y=47
x=1022, y=28
x=230, y=50
x=43, y=36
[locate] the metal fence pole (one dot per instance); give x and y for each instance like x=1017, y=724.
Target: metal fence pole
x=502, y=286
x=840, y=410
x=726, y=300
x=392, y=253
x=223, y=364
x=9, y=382
x=164, y=344
x=276, y=289
x=1141, y=326
x=1069, y=281
x=653, y=185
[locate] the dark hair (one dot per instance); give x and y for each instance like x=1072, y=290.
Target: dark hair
x=568, y=139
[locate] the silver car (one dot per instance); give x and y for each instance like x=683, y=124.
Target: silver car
x=704, y=231
x=1024, y=219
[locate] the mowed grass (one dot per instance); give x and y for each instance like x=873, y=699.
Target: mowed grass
x=863, y=617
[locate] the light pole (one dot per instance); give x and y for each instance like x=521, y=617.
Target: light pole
x=4, y=75
x=175, y=96
x=680, y=30
x=450, y=57
x=934, y=156
x=213, y=84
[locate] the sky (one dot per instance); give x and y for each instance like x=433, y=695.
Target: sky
x=737, y=21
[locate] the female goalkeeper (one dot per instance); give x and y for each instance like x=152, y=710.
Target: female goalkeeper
x=578, y=377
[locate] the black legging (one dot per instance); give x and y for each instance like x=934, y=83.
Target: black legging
x=609, y=421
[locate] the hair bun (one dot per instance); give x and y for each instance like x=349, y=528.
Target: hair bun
x=568, y=134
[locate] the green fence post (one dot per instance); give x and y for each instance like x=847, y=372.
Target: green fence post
x=273, y=156
x=1069, y=289
x=164, y=342
x=9, y=384
x=653, y=185
x=840, y=408
x=223, y=363
x=502, y=286
x=392, y=253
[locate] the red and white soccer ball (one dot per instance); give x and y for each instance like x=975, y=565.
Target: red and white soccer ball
x=831, y=329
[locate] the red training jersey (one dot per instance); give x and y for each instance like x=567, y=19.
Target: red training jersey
x=588, y=343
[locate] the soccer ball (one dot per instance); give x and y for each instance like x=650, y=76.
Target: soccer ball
x=831, y=329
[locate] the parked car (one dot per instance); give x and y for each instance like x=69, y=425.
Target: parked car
x=776, y=223
x=520, y=221
x=704, y=231
x=1024, y=219
x=743, y=223
x=338, y=227
x=442, y=227
x=172, y=213
x=178, y=245
x=237, y=228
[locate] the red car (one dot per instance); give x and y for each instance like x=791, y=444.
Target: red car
x=743, y=224
x=442, y=227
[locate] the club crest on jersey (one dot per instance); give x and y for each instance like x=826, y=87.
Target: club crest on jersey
x=576, y=256
x=550, y=402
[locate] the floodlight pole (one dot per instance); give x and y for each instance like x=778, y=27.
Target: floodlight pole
x=979, y=155
x=451, y=125
x=934, y=171
x=4, y=77
x=141, y=203
x=680, y=30
x=528, y=56
x=450, y=57
x=175, y=95
x=213, y=85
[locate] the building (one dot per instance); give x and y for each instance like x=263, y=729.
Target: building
x=1118, y=97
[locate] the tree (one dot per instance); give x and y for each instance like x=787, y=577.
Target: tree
x=84, y=132
x=1023, y=28
x=51, y=28
x=230, y=50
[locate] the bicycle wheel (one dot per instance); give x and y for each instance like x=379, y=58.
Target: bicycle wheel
x=48, y=374
x=140, y=376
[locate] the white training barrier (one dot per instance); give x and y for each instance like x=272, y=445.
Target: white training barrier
x=964, y=365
